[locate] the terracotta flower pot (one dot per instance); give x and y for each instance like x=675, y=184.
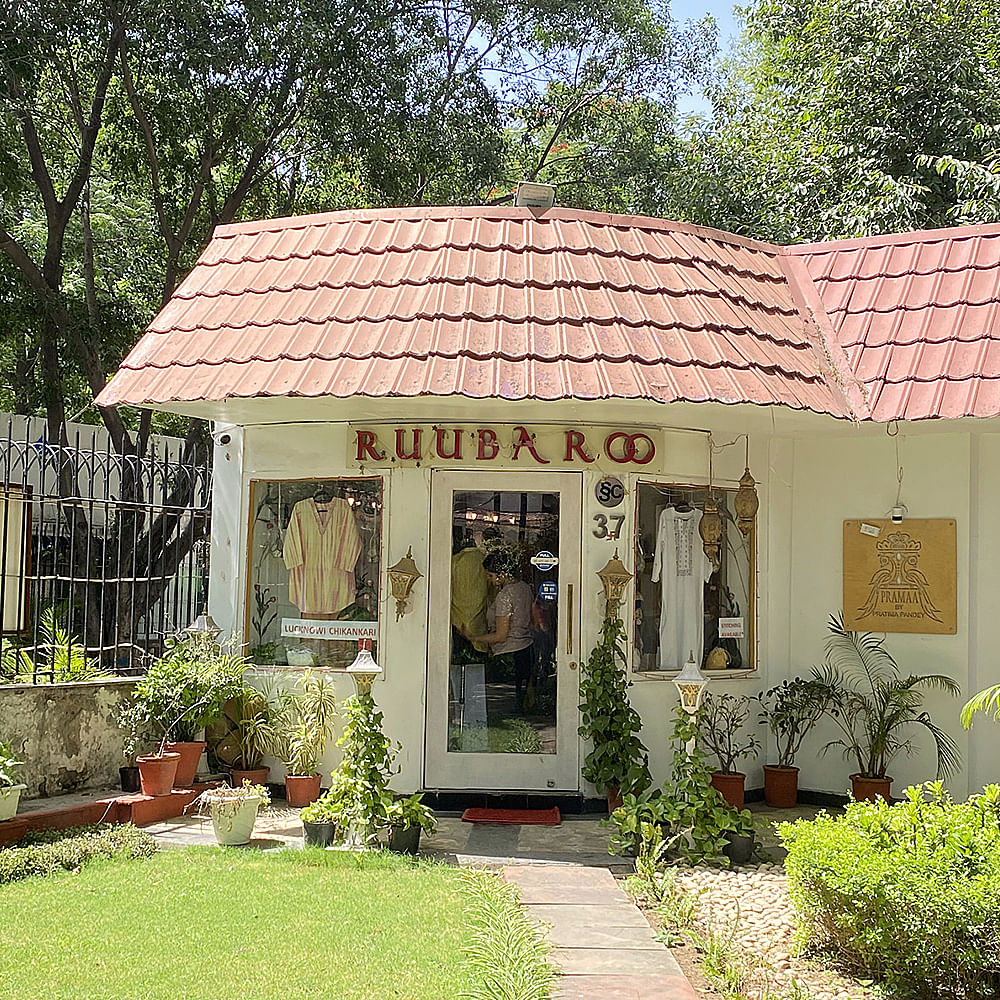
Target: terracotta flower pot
x=187, y=767
x=256, y=776
x=301, y=789
x=730, y=787
x=614, y=797
x=781, y=786
x=869, y=789
x=157, y=773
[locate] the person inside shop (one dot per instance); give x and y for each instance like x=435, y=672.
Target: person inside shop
x=509, y=617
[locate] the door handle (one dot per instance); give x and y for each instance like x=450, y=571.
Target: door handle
x=569, y=618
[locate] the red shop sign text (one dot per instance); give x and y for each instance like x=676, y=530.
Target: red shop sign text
x=509, y=445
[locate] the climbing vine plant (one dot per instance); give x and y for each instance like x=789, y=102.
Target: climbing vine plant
x=618, y=758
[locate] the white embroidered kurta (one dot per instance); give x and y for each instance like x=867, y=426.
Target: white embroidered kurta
x=320, y=553
x=681, y=566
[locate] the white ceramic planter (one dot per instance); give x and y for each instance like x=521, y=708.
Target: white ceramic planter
x=233, y=820
x=9, y=797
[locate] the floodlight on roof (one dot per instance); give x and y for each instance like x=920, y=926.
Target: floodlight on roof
x=532, y=195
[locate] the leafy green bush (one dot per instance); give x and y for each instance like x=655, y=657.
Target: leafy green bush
x=908, y=894
x=65, y=850
x=687, y=814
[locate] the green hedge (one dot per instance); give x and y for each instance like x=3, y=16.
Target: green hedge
x=908, y=894
x=65, y=850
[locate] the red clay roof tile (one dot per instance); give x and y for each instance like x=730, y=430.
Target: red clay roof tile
x=509, y=303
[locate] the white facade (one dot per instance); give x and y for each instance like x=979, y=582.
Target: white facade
x=812, y=473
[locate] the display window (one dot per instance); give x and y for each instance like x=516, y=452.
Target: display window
x=315, y=552
x=687, y=602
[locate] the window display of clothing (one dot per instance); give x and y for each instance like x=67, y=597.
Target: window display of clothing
x=469, y=588
x=681, y=567
x=321, y=550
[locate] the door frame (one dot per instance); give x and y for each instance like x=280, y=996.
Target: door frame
x=504, y=772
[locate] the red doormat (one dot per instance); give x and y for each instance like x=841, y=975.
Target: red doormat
x=514, y=817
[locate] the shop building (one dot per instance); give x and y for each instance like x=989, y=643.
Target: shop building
x=435, y=384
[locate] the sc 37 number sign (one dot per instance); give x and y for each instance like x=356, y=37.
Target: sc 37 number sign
x=610, y=491
x=608, y=527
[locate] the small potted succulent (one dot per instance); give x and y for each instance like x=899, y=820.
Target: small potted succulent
x=721, y=731
x=303, y=725
x=320, y=820
x=10, y=789
x=408, y=816
x=790, y=711
x=234, y=811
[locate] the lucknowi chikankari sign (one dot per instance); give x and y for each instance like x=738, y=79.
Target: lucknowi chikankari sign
x=520, y=445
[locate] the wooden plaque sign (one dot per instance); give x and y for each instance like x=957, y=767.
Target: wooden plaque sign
x=901, y=577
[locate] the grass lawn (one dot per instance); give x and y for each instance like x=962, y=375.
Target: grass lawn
x=219, y=924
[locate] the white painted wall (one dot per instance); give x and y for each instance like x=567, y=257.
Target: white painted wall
x=811, y=476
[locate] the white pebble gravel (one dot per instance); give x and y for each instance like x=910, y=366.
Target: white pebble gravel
x=755, y=901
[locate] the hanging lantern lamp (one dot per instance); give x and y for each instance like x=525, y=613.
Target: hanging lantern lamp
x=614, y=578
x=710, y=525
x=746, y=502
x=402, y=577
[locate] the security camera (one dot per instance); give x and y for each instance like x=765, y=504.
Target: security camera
x=223, y=435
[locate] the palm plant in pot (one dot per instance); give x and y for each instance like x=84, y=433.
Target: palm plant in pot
x=618, y=763
x=234, y=811
x=875, y=707
x=303, y=725
x=721, y=731
x=10, y=788
x=251, y=716
x=790, y=711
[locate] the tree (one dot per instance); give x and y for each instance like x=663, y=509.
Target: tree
x=830, y=118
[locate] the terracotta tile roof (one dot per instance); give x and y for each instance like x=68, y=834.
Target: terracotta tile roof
x=918, y=316
x=502, y=302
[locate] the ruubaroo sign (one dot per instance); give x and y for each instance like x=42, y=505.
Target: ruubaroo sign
x=521, y=445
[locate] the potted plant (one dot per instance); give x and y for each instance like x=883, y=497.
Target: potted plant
x=234, y=811
x=359, y=791
x=875, y=707
x=303, y=724
x=320, y=821
x=184, y=691
x=408, y=816
x=721, y=731
x=132, y=722
x=618, y=763
x=790, y=710
x=687, y=819
x=251, y=715
x=10, y=789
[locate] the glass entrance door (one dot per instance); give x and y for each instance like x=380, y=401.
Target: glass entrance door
x=502, y=670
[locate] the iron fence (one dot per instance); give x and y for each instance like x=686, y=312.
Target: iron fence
x=103, y=555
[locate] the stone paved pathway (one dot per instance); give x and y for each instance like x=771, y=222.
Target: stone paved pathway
x=602, y=944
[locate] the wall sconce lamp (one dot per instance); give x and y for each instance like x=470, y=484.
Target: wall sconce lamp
x=614, y=578
x=364, y=669
x=402, y=577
